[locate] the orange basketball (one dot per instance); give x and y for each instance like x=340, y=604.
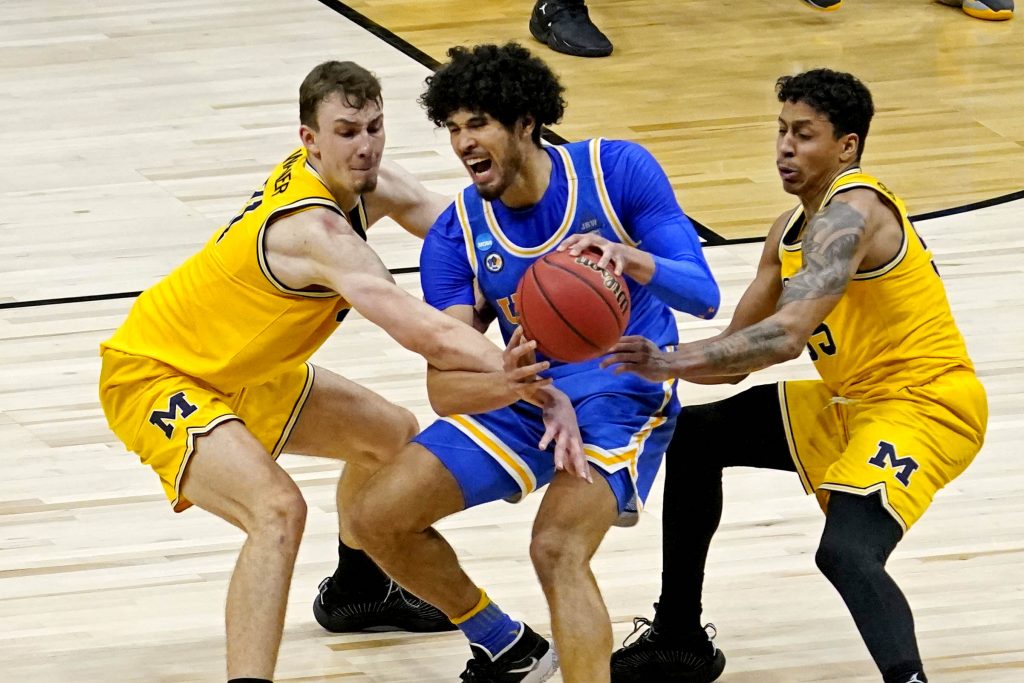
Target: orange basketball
x=573, y=309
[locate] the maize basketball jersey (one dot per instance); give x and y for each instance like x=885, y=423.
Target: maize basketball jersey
x=222, y=316
x=893, y=326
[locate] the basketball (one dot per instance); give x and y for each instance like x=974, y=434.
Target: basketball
x=573, y=309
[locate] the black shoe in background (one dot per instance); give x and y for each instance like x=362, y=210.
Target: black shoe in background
x=565, y=26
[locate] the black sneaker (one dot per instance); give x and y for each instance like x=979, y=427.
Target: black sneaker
x=395, y=610
x=529, y=659
x=565, y=26
x=653, y=657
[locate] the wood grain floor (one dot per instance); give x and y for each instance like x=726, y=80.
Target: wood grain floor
x=131, y=130
x=693, y=81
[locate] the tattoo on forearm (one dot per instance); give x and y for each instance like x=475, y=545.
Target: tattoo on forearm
x=829, y=246
x=756, y=347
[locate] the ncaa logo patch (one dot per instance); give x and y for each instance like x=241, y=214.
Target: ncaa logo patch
x=590, y=225
x=493, y=262
x=484, y=241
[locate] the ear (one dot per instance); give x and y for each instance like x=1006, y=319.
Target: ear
x=528, y=123
x=308, y=137
x=850, y=143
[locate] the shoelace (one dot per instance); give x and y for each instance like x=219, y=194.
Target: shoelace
x=639, y=623
x=409, y=599
x=571, y=11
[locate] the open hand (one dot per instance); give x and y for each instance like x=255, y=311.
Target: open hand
x=560, y=426
x=641, y=357
x=520, y=367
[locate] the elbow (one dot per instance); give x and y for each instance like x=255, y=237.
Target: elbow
x=711, y=301
x=440, y=400
x=441, y=406
x=706, y=304
x=791, y=347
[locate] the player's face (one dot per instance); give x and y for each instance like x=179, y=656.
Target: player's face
x=807, y=154
x=491, y=153
x=348, y=145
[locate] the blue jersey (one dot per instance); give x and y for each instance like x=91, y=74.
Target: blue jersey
x=615, y=188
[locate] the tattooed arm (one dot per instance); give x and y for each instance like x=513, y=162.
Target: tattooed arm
x=834, y=244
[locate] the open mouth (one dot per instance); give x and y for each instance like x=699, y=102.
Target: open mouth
x=479, y=167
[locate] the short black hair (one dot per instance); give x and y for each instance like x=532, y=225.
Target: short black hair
x=839, y=96
x=355, y=85
x=505, y=81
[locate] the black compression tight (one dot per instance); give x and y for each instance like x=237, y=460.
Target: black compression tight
x=746, y=430
x=859, y=536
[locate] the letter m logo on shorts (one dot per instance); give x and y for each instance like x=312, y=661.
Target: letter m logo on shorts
x=886, y=456
x=177, y=407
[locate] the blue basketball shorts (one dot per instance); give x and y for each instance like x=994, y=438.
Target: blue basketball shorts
x=626, y=423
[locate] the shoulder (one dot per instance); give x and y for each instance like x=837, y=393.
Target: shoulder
x=618, y=152
x=448, y=223
x=299, y=231
x=866, y=205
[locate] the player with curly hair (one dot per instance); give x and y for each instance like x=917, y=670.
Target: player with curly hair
x=525, y=200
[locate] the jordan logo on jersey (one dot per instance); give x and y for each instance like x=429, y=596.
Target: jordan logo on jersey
x=886, y=457
x=178, y=406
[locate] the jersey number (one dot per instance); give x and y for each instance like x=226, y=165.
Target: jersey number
x=886, y=457
x=254, y=203
x=827, y=345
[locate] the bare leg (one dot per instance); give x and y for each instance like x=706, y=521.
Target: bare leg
x=344, y=420
x=232, y=476
x=571, y=522
x=392, y=521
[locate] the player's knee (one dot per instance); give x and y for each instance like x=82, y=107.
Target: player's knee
x=376, y=524
x=405, y=428
x=281, y=514
x=840, y=559
x=402, y=427
x=555, y=553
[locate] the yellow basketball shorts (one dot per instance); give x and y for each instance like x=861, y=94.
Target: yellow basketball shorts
x=158, y=412
x=905, y=446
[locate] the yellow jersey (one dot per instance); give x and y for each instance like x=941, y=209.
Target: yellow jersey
x=222, y=317
x=893, y=327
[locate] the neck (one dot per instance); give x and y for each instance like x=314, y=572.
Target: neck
x=532, y=181
x=813, y=197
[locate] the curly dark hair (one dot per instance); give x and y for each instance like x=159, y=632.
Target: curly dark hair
x=839, y=96
x=505, y=81
x=355, y=85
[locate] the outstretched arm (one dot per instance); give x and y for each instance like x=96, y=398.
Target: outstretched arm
x=403, y=197
x=834, y=245
x=318, y=248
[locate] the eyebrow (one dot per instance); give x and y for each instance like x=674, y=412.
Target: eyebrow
x=353, y=122
x=798, y=123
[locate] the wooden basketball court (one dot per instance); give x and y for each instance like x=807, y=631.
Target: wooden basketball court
x=131, y=130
